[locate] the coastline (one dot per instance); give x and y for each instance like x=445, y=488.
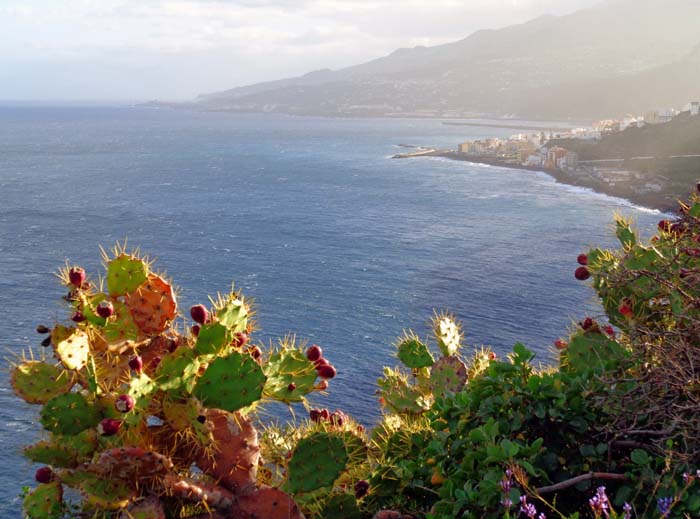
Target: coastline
x=659, y=201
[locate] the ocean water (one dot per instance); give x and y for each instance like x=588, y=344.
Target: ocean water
x=335, y=241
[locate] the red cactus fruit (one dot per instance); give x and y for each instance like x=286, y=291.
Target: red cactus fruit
x=609, y=330
x=109, y=427
x=325, y=415
x=105, y=309
x=492, y=355
x=664, y=225
x=321, y=362
x=625, y=309
x=44, y=475
x=361, y=489
x=201, y=418
x=582, y=273
x=124, y=403
x=46, y=342
x=314, y=353
x=240, y=339
x=582, y=259
x=195, y=330
x=587, y=323
x=78, y=317
x=76, y=276
x=199, y=314
x=560, y=344
x=291, y=387
x=315, y=415
x=326, y=371
x=338, y=418
x=255, y=352
x=136, y=363
x=42, y=329
x=322, y=385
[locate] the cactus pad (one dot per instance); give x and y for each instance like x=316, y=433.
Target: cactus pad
x=413, y=353
x=152, y=305
x=149, y=508
x=341, y=505
x=233, y=315
x=141, y=388
x=45, y=502
x=447, y=333
x=285, y=367
x=177, y=372
x=99, y=491
x=125, y=273
x=591, y=352
x=400, y=396
x=233, y=458
x=269, y=503
x=213, y=339
x=64, y=451
x=38, y=382
x=121, y=326
x=448, y=375
x=130, y=464
x=316, y=462
x=200, y=492
x=69, y=414
x=71, y=346
x=231, y=382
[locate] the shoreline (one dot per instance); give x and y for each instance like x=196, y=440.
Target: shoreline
x=656, y=201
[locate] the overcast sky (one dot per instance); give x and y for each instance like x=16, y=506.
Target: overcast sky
x=176, y=49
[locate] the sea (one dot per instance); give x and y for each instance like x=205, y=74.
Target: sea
x=335, y=241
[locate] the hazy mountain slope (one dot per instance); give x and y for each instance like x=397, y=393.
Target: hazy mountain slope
x=501, y=71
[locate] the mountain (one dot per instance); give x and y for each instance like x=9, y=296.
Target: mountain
x=579, y=65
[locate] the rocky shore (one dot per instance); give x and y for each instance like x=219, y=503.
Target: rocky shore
x=664, y=199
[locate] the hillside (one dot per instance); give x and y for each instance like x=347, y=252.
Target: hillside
x=584, y=64
x=679, y=137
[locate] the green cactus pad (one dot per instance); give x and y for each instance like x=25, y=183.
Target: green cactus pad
x=152, y=305
x=121, y=326
x=64, y=451
x=71, y=345
x=99, y=491
x=286, y=367
x=233, y=315
x=38, y=382
x=149, y=508
x=448, y=375
x=141, y=388
x=184, y=416
x=69, y=414
x=591, y=352
x=213, y=339
x=400, y=396
x=341, y=505
x=125, y=274
x=177, y=372
x=45, y=502
x=413, y=353
x=316, y=462
x=231, y=382
x=448, y=334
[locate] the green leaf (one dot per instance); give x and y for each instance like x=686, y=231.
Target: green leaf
x=624, y=234
x=695, y=210
x=639, y=457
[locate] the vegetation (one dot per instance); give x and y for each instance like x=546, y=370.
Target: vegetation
x=148, y=421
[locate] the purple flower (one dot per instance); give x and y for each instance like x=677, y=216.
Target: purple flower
x=529, y=510
x=628, y=511
x=664, y=505
x=599, y=503
x=506, y=503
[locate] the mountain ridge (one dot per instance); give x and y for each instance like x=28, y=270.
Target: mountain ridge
x=502, y=71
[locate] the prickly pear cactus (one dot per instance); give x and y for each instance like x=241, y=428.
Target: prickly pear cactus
x=131, y=406
x=38, y=382
x=448, y=375
x=400, y=396
x=316, y=462
x=447, y=333
x=413, y=353
x=231, y=383
x=45, y=501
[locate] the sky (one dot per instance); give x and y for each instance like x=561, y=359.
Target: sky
x=176, y=49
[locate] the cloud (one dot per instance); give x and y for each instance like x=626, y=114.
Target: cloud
x=259, y=39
